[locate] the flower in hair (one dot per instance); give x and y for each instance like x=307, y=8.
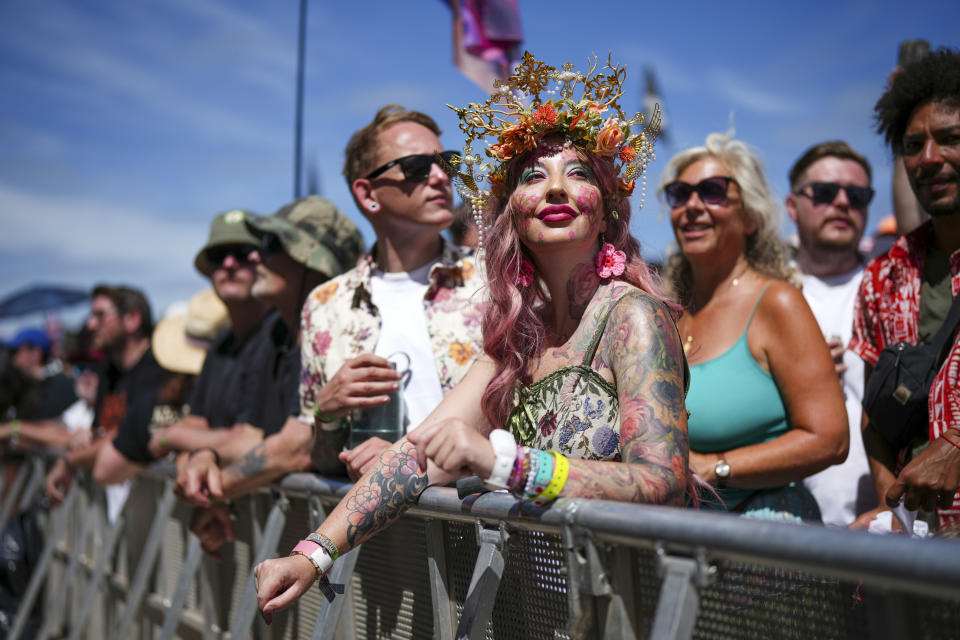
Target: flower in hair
x=525, y=273
x=610, y=262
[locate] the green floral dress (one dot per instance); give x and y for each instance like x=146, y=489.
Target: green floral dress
x=572, y=410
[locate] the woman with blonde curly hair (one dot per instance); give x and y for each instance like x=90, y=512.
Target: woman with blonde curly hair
x=581, y=389
x=766, y=409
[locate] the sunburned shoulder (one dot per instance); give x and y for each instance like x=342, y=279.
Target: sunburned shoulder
x=782, y=301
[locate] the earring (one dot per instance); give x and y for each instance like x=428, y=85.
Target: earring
x=374, y=206
x=525, y=273
x=610, y=262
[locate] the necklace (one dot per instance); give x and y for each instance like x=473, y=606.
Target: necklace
x=688, y=342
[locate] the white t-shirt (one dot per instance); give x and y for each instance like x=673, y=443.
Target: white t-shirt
x=403, y=330
x=843, y=491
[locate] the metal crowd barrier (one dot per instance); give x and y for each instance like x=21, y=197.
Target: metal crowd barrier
x=486, y=567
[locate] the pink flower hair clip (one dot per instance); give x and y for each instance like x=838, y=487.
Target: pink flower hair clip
x=610, y=262
x=525, y=272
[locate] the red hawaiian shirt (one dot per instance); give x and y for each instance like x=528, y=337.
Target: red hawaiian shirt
x=887, y=311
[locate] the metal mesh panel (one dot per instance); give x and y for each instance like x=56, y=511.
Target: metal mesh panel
x=751, y=601
x=390, y=591
x=532, y=599
x=646, y=585
x=935, y=618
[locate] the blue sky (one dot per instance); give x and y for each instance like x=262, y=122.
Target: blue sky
x=124, y=127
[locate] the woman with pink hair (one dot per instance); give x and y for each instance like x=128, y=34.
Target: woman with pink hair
x=580, y=392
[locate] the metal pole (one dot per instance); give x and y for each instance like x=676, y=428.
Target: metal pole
x=298, y=134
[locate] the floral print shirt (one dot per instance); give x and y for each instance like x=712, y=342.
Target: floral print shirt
x=887, y=311
x=340, y=322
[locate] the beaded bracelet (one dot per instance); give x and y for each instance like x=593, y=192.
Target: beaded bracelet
x=326, y=543
x=534, y=461
x=517, y=477
x=561, y=469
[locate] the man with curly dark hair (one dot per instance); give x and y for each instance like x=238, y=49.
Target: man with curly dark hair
x=906, y=294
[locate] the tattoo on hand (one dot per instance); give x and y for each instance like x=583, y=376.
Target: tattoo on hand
x=393, y=486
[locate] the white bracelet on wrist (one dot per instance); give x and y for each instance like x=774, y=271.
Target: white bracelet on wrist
x=505, y=450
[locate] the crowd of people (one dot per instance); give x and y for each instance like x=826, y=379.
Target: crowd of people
x=535, y=348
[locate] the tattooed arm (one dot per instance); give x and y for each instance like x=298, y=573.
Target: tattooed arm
x=641, y=346
x=381, y=495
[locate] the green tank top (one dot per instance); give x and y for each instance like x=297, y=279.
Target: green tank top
x=572, y=410
x=733, y=402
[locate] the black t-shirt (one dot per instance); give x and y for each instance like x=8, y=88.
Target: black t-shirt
x=133, y=436
x=271, y=386
x=117, y=388
x=48, y=398
x=219, y=388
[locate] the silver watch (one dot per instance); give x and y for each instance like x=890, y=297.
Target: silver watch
x=722, y=471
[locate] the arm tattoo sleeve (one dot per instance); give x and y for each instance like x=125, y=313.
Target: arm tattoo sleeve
x=393, y=486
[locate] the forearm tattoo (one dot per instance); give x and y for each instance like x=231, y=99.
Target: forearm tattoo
x=645, y=353
x=377, y=501
x=253, y=463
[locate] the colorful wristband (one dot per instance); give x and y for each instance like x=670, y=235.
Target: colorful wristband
x=519, y=464
x=15, y=428
x=326, y=543
x=544, y=473
x=561, y=468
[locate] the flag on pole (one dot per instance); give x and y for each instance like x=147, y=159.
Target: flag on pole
x=486, y=39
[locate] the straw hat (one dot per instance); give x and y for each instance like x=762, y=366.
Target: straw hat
x=181, y=339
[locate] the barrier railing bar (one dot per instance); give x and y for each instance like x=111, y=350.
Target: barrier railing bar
x=19, y=480
x=104, y=558
x=484, y=583
x=240, y=625
x=34, y=485
x=929, y=566
x=147, y=561
x=443, y=611
x=39, y=576
x=77, y=550
x=187, y=574
x=341, y=573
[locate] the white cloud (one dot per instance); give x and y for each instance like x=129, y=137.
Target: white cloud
x=740, y=92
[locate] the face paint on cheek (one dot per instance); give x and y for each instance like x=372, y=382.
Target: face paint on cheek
x=586, y=200
x=540, y=237
x=527, y=204
x=526, y=223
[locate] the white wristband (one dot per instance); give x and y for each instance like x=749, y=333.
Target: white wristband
x=505, y=450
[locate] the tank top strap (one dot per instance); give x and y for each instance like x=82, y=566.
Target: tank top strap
x=598, y=333
x=756, y=306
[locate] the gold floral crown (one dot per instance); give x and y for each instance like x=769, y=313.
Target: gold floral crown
x=517, y=117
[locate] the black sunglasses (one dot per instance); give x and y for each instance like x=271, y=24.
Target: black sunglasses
x=269, y=244
x=416, y=168
x=240, y=252
x=711, y=191
x=826, y=193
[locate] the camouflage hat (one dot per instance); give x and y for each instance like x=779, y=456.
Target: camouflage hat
x=315, y=233
x=227, y=228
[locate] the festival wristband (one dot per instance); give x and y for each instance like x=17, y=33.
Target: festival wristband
x=316, y=554
x=544, y=473
x=15, y=428
x=944, y=436
x=505, y=450
x=326, y=543
x=561, y=468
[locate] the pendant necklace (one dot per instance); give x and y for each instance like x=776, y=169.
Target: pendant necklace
x=688, y=342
